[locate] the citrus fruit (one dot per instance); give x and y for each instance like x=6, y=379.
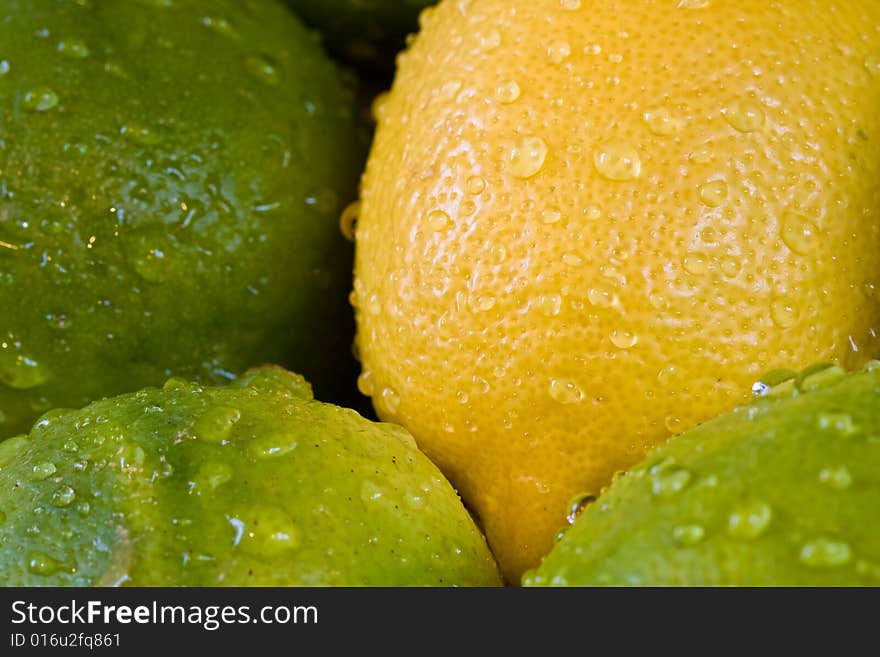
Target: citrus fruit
x=782, y=492
x=170, y=181
x=585, y=226
x=252, y=484
x=368, y=33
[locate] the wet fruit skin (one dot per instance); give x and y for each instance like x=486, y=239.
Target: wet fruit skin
x=584, y=228
x=367, y=33
x=252, y=484
x=171, y=175
x=781, y=492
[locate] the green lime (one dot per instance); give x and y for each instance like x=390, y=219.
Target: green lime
x=171, y=177
x=252, y=484
x=782, y=492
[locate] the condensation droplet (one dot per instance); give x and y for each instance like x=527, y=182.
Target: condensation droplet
x=43, y=470
x=551, y=215
x=872, y=64
x=602, y=297
x=507, y=91
x=713, y=193
x=550, y=305
x=390, y=399
x=749, y=520
x=623, y=339
x=617, y=160
x=744, y=114
x=40, y=100
x=572, y=259
x=483, y=303
x=565, y=391
x=365, y=383
x=688, y=534
x=841, y=423
x=491, y=40
x=73, y=48
x=40, y=563
x=668, y=479
x=799, y=234
x=63, y=496
x=577, y=505
x=527, y=157
x=672, y=423
x=693, y=4
x=439, y=220
x=570, y=5
x=558, y=51
x=263, y=70
x=825, y=553
x=475, y=185
x=215, y=425
x=695, y=263
x=783, y=313
x=838, y=477
x=661, y=121
x=729, y=266
x=348, y=220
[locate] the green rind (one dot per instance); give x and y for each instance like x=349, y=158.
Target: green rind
x=181, y=493
x=171, y=176
x=783, y=492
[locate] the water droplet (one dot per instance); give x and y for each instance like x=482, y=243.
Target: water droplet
x=507, y=91
x=558, y=51
x=490, y=40
x=212, y=475
x=19, y=371
x=775, y=383
x=570, y=5
x=872, y=64
x=365, y=383
x=83, y=508
x=729, y=266
x=688, y=534
x=695, y=263
x=483, y=303
x=783, y=313
x=661, y=121
x=550, y=305
x=63, y=496
x=565, y=391
x=4, y=66
x=668, y=479
x=74, y=48
x=749, y=520
x=43, y=470
x=40, y=563
x=617, y=160
x=439, y=220
x=273, y=444
x=215, y=425
x=475, y=185
x=837, y=477
x=713, y=193
x=623, y=339
x=371, y=492
x=667, y=375
x=139, y=134
x=601, y=297
x=577, y=505
x=825, y=553
x=348, y=220
x=820, y=375
x=175, y=383
x=220, y=26
x=799, y=234
x=40, y=100
x=526, y=158
x=693, y=4
x=572, y=259
x=262, y=69
x=744, y=114
x=265, y=531
x=390, y=399
x=551, y=215
x=842, y=423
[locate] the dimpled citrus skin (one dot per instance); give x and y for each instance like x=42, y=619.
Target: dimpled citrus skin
x=253, y=484
x=783, y=492
x=585, y=226
x=171, y=175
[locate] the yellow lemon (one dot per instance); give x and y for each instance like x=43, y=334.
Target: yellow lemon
x=585, y=226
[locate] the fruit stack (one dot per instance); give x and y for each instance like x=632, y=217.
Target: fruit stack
x=611, y=277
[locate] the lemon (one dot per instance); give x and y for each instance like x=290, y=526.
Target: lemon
x=586, y=226
x=781, y=492
x=251, y=484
